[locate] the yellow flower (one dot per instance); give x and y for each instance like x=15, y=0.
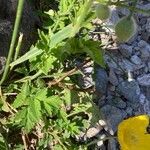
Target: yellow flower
x=132, y=133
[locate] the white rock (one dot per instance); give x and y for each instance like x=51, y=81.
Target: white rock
x=93, y=131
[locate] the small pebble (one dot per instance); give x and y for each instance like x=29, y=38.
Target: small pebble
x=136, y=60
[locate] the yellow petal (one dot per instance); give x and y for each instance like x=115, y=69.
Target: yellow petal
x=132, y=133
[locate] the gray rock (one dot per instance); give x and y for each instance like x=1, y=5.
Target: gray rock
x=148, y=66
x=112, y=116
x=145, y=36
x=142, y=98
x=144, y=80
x=113, y=78
x=130, y=90
x=112, y=144
x=136, y=48
x=138, y=53
x=101, y=80
x=129, y=111
x=112, y=88
x=2, y=9
x=28, y=24
x=142, y=44
x=145, y=54
x=117, y=102
x=147, y=26
x=134, y=106
x=146, y=69
x=138, y=67
x=145, y=49
x=127, y=65
x=112, y=20
x=110, y=62
x=142, y=21
x=2, y=64
x=114, y=16
x=5, y=34
x=147, y=93
x=124, y=11
x=125, y=50
x=136, y=60
x=145, y=7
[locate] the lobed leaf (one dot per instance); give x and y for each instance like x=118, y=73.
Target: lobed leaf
x=21, y=98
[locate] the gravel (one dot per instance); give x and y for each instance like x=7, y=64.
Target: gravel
x=101, y=80
x=113, y=116
x=136, y=60
x=144, y=80
x=130, y=90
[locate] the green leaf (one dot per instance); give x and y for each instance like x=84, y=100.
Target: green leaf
x=54, y=101
x=20, y=116
x=67, y=96
x=92, y=48
x=78, y=108
x=3, y=104
x=3, y=144
x=47, y=64
x=73, y=46
x=58, y=147
x=60, y=36
x=33, y=115
x=41, y=94
x=21, y=98
x=52, y=104
x=34, y=51
x=29, y=116
x=48, y=108
x=19, y=147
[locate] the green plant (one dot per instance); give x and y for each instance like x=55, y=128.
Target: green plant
x=102, y=11
x=125, y=29
x=42, y=105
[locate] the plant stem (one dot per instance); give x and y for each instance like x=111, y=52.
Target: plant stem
x=104, y=139
x=13, y=40
x=18, y=46
x=84, y=10
x=24, y=140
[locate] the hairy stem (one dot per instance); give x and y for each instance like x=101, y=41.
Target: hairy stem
x=13, y=40
x=18, y=46
x=84, y=10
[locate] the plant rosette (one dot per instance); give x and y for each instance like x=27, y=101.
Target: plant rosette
x=133, y=135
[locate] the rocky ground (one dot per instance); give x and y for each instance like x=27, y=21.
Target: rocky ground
x=124, y=86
